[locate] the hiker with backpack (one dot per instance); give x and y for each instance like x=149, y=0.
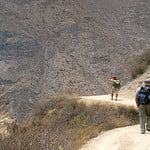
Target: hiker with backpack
x=142, y=99
x=115, y=87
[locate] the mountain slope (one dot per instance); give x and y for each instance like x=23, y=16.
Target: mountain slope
x=49, y=46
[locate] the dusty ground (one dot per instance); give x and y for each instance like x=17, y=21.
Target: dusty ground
x=126, y=138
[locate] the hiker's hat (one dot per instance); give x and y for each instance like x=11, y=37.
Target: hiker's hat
x=113, y=77
x=146, y=82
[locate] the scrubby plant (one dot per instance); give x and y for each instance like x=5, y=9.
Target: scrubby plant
x=66, y=124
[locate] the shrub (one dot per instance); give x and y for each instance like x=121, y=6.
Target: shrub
x=67, y=124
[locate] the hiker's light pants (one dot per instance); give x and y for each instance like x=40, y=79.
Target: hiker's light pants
x=114, y=90
x=144, y=116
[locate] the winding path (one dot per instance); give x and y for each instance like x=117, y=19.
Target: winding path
x=125, y=138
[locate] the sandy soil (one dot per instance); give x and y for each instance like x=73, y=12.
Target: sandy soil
x=126, y=138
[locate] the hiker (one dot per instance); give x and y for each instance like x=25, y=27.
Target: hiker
x=142, y=99
x=115, y=87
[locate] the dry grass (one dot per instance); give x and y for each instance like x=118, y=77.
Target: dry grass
x=63, y=123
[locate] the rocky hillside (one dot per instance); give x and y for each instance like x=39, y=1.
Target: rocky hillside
x=49, y=46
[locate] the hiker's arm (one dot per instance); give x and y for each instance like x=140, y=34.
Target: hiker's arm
x=136, y=100
x=111, y=79
x=137, y=97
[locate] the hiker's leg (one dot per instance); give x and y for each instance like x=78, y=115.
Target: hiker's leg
x=142, y=117
x=116, y=96
x=112, y=96
x=148, y=117
x=117, y=91
x=112, y=93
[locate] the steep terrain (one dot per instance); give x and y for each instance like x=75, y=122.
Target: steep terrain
x=49, y=46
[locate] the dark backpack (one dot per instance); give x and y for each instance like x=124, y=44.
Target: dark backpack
x=116, y=83
x=144, y=95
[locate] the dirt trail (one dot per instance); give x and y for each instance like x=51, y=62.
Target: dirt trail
x=121, y=99
x=125, y=138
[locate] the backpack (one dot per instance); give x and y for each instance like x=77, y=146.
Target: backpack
x=144, y=95
x=116, y=83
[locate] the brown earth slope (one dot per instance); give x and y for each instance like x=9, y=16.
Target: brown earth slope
x=49, y=46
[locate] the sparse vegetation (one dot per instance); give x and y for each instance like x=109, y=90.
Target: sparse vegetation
x=139, y=63
x=63, y=123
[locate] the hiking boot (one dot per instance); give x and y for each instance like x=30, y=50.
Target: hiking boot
x=148, y=129
x=116, y=99
x=111, y=98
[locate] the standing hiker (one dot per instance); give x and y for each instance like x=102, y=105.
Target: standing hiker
x=142, y=99
x=115, y=87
